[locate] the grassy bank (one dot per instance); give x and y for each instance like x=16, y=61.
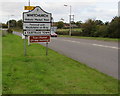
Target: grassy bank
x=52, y=74
x=92, y=38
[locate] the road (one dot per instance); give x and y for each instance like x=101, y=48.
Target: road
x=100, y=55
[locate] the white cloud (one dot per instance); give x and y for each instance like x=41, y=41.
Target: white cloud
x=104, y=10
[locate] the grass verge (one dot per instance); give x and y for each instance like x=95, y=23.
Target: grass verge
x=52, y=74
x=92, y=38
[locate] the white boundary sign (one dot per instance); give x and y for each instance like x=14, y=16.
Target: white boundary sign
x=37, y=22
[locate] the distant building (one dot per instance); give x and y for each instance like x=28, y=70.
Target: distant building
x=119, y=8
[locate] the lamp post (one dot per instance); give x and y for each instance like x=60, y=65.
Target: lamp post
x=29, y=3
x=69, y=19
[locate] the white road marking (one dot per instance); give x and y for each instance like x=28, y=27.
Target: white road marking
x=53, y=38
x=72, y=41
x=105, y=46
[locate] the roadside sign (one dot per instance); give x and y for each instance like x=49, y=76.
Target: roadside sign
x=37, y=15
x=29, y=7
x=37, y=26
x=35, y=39
x=36, y=32
x=37, y=22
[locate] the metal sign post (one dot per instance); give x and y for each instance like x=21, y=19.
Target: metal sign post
x=46, y=48
x=25, y=52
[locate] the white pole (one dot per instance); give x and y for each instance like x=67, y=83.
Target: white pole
x=9, y=20
x=28, y=40
x=70, y=20
x=29, y=3
x=8, y=24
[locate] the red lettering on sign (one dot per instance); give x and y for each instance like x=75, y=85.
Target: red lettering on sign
x=34, y=39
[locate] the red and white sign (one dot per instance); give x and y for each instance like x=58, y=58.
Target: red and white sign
x=34, y=39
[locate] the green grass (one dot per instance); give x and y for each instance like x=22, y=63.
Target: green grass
x=37, y=73
x=92, y=38
x=76, y=29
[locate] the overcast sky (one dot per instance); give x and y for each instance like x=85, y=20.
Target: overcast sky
x=104, y=10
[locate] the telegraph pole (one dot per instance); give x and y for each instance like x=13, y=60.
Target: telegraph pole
x=70, y=20
x=29, y=3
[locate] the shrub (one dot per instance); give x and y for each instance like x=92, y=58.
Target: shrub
x=10, y=31
x=102, y=31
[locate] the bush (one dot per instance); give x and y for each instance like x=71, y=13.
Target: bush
x=75, y=32
x=62, y=32
x=10, y=31
x=89, y=28
x=114, y=28
x=4, y=26
x=102, y=31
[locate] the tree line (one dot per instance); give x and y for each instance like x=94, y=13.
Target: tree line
x=90, y=28
x=95, y=28
x=13, y=24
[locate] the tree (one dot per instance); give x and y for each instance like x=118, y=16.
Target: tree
x=78, y=23
x=114, y=28
x=4, y=25
x=12, y=23
x=60, y=25
x=89, y=27
x=20, y=23
x=107, y=23
x=99, y=22
x=102, y=31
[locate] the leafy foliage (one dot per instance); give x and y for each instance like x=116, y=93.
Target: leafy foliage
x=10, y=31
x=114, y=28
x=91, y=28
x=60, y=25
